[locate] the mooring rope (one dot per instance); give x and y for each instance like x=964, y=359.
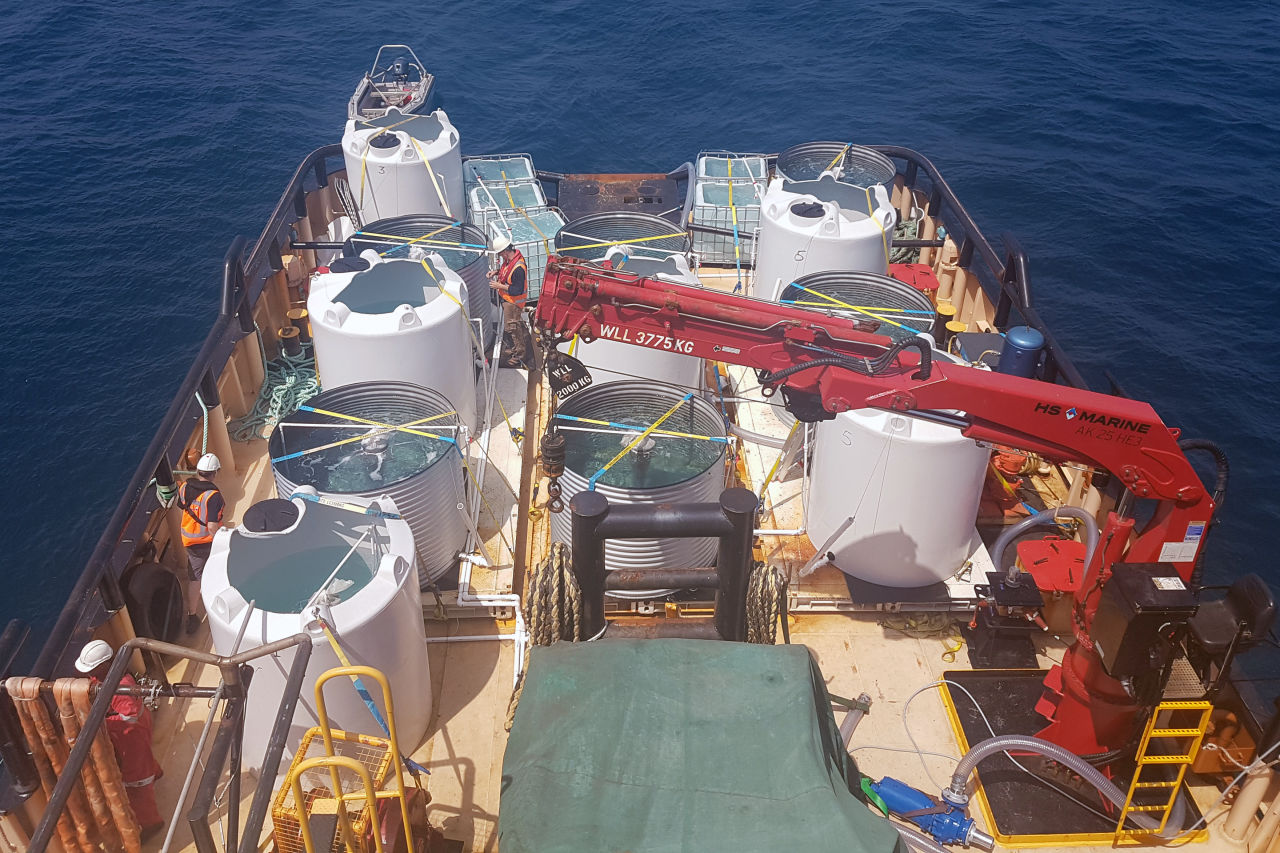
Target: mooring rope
x=289, y=381
x=552, y=611
x=766, y=595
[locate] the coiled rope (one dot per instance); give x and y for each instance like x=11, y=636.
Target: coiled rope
x=289, y=381
x=766, y=596
x=552, y=611
x=906, y=230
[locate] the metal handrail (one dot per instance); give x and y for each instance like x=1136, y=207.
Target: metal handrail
x=241, y=287
x=229, y=666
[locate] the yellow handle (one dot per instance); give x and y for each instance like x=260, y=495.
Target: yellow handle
x=333, y=762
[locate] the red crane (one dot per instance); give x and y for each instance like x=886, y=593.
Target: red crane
x=825, y=365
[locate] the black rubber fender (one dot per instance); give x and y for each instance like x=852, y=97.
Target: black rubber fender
x=153, y=595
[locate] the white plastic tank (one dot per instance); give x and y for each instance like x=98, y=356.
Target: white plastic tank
x=614, y=361
x=812, y=226
x=911, y=487
x=402, y=164
x=375, y=438
x=372, y=606
x=374, y=319
x=664, y=469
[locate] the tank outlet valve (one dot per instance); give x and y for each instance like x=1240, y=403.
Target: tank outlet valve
x=947, y=823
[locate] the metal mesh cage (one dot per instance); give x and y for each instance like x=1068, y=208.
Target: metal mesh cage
x=509, y=195
x=493, y=169
x=716, y=166
x=711, y=207
x=532, y=232
x=374, y=753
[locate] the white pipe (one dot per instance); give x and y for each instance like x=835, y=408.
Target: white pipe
x=773, y=532
x=497, y=206
x=334, y=573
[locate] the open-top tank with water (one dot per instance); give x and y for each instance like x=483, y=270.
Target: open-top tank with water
x=353, y=571
x=397, y=320
x=590, y=237
x=404, y=164
x=851, y=164
x=378, y=438
x=664, y=468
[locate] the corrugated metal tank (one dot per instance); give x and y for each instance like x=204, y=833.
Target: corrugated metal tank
x=682, y=470
x=404, y=164
x=462, y=246
x=588, y=231
x=423, y=475
x=853, y=164
x=903, y=305
x=813, y=226
x=616, y=361
x=394, y=320
x=377, y=613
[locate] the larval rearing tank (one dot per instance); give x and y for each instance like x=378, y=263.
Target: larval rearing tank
x=397, y=320
x=463, y=246
x=379, y=438
x=813, y=226
x=614, y=360
x=666, y=469
x=911, y=487
x=399, y=165
x=372, y=606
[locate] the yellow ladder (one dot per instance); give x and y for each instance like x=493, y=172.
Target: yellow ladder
x=1180, y=761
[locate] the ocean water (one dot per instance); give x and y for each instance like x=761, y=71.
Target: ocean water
x=1133, y=149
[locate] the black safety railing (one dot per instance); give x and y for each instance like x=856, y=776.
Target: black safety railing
x=96, y=592
x=1003, y=276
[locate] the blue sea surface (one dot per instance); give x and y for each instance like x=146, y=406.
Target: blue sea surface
x=1133, y=149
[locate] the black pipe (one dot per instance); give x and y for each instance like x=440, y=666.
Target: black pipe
x=275, y=749
x=316, y=244
x=644, y=521
x=202, y=804
x=209, y=390
x=237, y=746
x=1219, y=494
x=734, y=561
x=635, y=579
x=586, y=556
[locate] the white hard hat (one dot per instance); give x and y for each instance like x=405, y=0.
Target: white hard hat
x=94, y=654
x=209, y=464
x=501, y=243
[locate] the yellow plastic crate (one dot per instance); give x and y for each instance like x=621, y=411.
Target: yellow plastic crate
x=374, y=753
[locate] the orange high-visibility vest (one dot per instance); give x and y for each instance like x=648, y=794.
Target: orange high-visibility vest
x=195, y=516
x=504, y=275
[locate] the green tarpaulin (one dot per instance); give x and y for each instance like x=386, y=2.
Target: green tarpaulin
x=680, y=745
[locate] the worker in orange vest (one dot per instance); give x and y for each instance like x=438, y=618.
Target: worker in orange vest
x=511, y=280
x=202, y=508
x=129, y=727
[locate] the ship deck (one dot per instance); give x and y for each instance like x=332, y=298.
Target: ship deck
x=889, y=650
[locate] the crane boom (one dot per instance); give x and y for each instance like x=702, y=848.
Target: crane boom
x=828, y=364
